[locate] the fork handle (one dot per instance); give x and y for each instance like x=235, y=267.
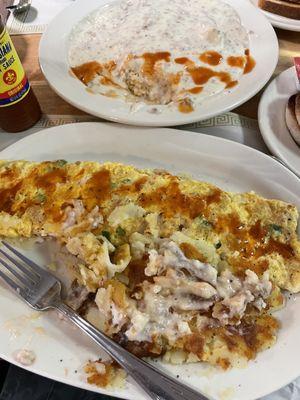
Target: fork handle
x=157, y=384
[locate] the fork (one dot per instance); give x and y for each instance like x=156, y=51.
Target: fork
x=21, y=7
x=41, y=291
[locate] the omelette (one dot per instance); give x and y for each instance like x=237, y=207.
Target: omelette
x=165, y=265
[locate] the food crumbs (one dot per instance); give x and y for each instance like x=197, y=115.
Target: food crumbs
x=185, y=106
x=227, y=393
x=40, y=330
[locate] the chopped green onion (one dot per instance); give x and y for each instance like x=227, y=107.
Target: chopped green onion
x=106, y=234
x=204, y=221
x=40, y=197
x=120, y=231
x=276, y=228
x=61, y=163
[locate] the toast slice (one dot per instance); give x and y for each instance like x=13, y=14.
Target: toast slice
x=285, y=8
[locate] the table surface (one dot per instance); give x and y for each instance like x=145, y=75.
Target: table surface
x=27, y=48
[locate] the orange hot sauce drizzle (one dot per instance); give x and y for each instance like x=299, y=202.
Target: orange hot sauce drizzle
x=238, y=62
x=185, y=106
x=211, y=58
x=87, y=72
x=150, y=59
x=250, y=62
x=200, y=75
x=195, y=90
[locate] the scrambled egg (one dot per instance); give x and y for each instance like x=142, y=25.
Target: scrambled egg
x=210, y=262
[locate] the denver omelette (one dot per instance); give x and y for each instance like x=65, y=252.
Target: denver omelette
x=167, y=266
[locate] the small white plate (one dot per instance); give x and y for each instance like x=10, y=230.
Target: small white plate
x=278, y=21
x=271, y=119
x=60, y=349
x=55, y=66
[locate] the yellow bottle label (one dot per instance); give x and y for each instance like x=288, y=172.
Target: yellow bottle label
x=14, y=85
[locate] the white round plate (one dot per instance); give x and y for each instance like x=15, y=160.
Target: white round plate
x=271, y=119
x=55, y=66
x=278, y=21
x=231, y=166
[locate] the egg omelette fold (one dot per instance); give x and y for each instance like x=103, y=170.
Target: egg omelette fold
x=165, y=265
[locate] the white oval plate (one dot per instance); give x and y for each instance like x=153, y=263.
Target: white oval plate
x=279, y=21
x=55, y=66
x=230, y=165
x=271, y=119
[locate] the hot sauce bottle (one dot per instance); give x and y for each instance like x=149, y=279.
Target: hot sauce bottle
x=19, y=108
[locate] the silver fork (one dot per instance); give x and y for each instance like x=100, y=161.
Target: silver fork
x=41, y=291
x=21, y=7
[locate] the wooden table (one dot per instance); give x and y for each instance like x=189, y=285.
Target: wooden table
x=27, y=48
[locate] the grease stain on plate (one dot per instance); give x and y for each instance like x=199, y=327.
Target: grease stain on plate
x=227, y=393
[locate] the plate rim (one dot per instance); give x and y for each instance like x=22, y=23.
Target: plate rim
x=279, y=21
x=266, y=131
x=282, y=24
x=164, y=122
x=151, y=130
